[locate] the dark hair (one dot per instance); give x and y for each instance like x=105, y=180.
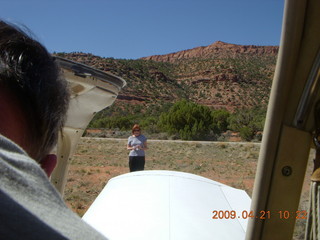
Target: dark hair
x=30, y=72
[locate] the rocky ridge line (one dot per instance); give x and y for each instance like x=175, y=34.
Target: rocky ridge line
x=217, y=49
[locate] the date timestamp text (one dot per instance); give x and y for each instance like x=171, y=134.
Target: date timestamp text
x=231, y=214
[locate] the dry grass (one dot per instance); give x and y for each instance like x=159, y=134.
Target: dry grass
x=98, y=159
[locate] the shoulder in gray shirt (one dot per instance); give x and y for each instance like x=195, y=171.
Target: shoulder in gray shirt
x=30, y=207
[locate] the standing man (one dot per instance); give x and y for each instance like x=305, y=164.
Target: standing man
x=33, y=104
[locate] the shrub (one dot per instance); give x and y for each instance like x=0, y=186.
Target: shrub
x=121, y=122
x=247, y=133
x=248, y=122
x=190, y=120
x=220, y=120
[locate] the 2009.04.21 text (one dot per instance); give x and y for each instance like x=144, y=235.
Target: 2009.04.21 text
x=231, y=214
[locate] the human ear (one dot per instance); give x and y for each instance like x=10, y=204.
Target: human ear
x=48, y=163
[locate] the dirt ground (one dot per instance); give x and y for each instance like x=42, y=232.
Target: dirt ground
x=96, y=160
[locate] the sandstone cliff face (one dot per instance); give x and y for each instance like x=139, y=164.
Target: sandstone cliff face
x=217, y=49
x=220, y=75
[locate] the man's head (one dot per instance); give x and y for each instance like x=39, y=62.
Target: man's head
x=32, y=92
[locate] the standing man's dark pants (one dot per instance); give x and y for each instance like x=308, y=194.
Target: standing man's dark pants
x=136, y=163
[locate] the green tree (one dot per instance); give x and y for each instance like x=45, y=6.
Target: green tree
x=248, y=122
x=220, y=120
x=247, y=133
x=190, y=120
x=120, y=122
x=150, y=124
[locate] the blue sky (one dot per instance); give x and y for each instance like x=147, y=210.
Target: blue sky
x=137, y=28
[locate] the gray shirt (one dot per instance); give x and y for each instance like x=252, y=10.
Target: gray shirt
x=30, y=207
x=137, y=141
